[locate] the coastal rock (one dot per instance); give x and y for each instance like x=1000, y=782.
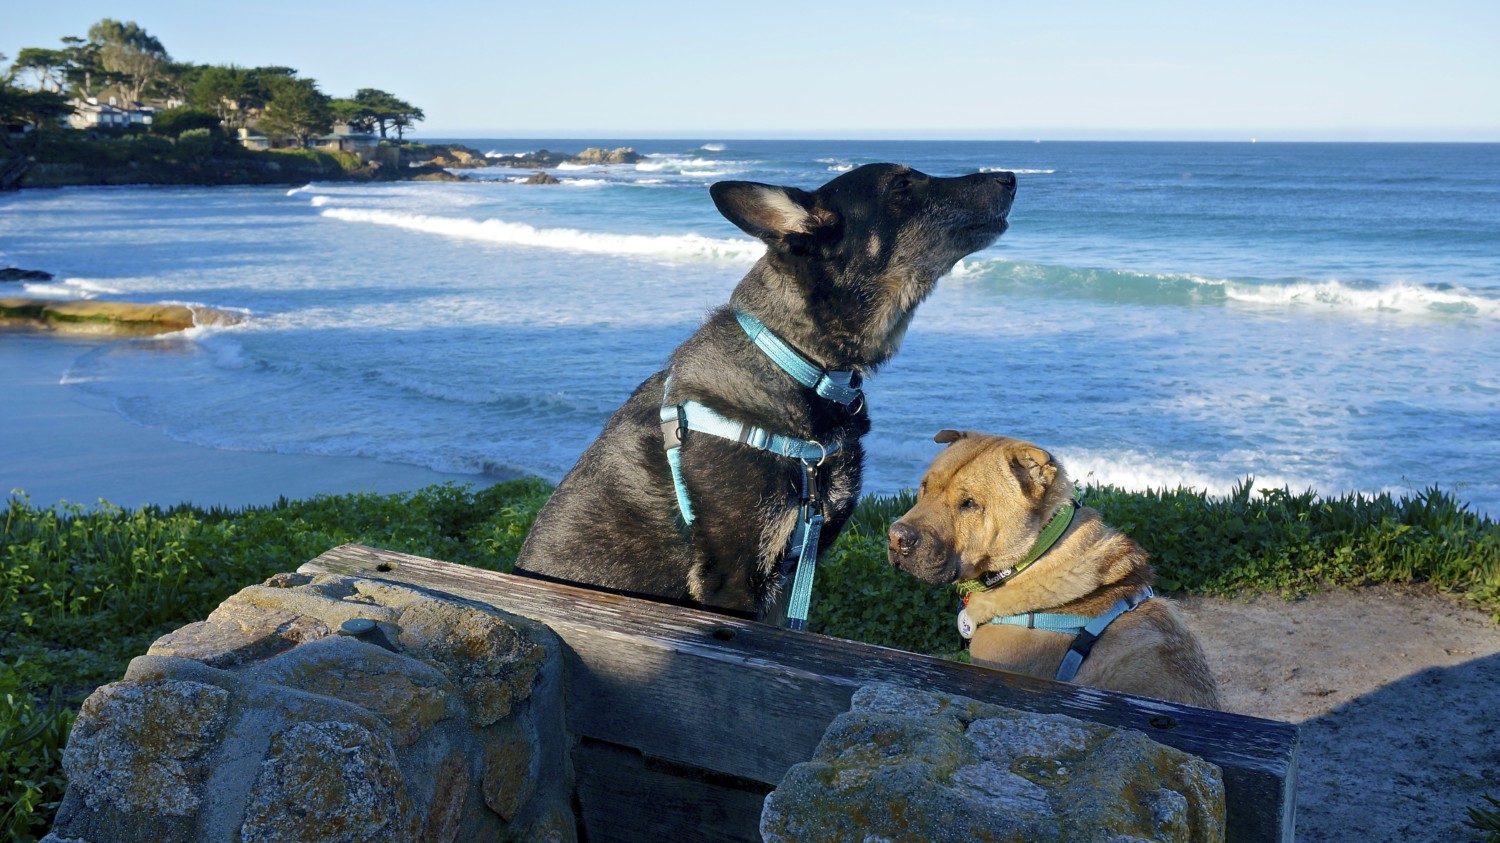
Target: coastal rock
x=452, y=156
x=546, y=159
x=541, y=178
x=595, y=155
x=330, y=709
x=541, y=158
x=431, y=173
x=93, y=316
x=13, y=274
x=910, y=765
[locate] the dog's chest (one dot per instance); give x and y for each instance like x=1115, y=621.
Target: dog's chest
x=1034, y=652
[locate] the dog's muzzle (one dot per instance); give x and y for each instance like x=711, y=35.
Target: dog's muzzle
x=906, y=549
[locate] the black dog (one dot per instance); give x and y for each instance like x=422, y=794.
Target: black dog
x=716, y=472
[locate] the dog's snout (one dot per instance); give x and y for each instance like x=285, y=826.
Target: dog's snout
x=903, y=539
x=1006, y=178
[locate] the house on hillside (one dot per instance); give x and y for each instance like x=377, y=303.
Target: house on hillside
x=343, y=138
x=92, y=114
x=253, y=140
x=347, y=138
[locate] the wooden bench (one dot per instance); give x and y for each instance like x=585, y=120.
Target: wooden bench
x=686, y=719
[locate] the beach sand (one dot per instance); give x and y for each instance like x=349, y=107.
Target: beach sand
x=56, y=448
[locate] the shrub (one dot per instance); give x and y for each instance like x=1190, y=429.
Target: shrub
x=173, y=122
x=195, y=145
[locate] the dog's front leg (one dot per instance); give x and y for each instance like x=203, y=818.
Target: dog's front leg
x=725, y=587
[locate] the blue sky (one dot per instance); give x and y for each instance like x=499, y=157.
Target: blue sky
x=1150, y=69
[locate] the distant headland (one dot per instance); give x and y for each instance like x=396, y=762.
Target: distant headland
x=113, y=108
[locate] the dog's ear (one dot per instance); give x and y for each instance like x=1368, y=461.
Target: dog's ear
x=948, y=437
x=766, y=211
x=1035, y=468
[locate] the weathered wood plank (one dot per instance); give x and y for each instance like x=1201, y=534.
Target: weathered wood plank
x=626, y=798
x=749, y=700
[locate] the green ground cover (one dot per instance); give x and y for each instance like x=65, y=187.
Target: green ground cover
x=83, y=591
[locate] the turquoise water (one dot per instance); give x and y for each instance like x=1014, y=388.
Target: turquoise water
x=1321, y=316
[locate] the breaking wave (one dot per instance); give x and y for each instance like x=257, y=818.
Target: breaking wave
x=1127, y=287
x=677, y=246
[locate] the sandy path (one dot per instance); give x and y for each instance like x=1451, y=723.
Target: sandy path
x=1396, y=691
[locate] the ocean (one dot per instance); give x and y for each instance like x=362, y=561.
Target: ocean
x=1311, y=316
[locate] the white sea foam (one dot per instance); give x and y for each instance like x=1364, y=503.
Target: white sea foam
x=1136, y=472
x=681, y=164
x=1019, y=172
x=713, y=147
x=55, y=291
x=1397, y=298
x=320, y=201
x=73, y=288
x=568, y=239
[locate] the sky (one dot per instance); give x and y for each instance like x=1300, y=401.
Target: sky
x=994, y=69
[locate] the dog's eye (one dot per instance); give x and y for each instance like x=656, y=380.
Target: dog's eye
x=901, y=183
x=969, y=504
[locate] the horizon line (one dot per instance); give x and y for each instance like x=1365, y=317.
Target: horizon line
x=1475, y=137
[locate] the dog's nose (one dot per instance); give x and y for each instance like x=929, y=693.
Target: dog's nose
x=1006, y=178
x=903, y=539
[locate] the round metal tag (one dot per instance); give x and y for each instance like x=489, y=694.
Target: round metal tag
x=965, y=625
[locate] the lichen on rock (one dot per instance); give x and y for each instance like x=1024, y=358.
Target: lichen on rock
x=139, y=745
x=328, y=783
x=911, y=765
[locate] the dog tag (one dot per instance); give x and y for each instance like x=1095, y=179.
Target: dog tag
x=965, y=625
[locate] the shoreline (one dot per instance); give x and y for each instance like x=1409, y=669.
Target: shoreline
x=60, y=450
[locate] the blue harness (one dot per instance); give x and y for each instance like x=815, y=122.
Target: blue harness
x=838, y=386
x=1085, y=630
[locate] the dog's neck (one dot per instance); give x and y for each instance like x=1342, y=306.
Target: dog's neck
x=841, y=387
x=1051, y=533
x=1089, y=567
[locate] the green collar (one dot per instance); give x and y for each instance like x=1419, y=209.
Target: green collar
x=1050, y=534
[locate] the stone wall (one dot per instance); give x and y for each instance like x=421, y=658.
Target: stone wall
x=321, y=708
x=907, y=765
x=328, y=709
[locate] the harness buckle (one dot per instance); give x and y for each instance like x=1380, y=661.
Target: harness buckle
x=673, y=428
x=811, y=496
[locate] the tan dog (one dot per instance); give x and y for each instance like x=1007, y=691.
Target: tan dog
x=998, y=512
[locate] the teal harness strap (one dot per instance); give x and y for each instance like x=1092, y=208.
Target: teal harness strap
x=802, y=550
x=1085, y=630
x=841, y=387
x=837, y=386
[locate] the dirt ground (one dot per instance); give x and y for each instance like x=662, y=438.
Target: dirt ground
x=1396, y=692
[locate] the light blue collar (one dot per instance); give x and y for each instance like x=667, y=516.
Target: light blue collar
x=838, y=386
